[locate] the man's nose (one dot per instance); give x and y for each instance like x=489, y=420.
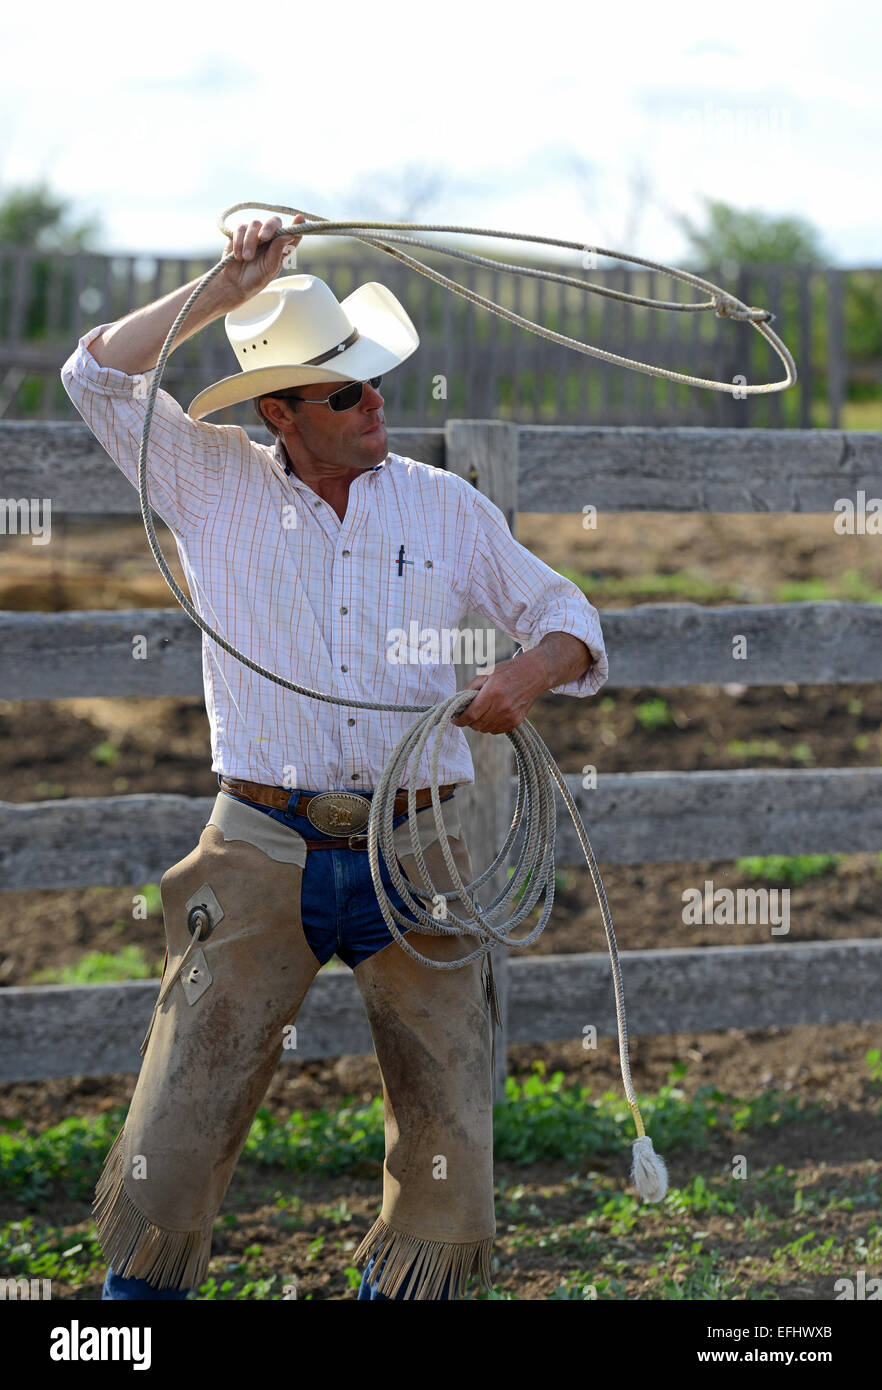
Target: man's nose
x=371, y=398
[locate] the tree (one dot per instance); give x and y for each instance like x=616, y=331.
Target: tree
x=35, y=216
x=743, y=237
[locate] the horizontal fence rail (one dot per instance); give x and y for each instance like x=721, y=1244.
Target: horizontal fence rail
x=631, y=818
x=57, y=656
x=560, y=468
x=96, y=1030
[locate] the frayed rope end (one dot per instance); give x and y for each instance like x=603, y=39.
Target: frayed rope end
x=648, y=1171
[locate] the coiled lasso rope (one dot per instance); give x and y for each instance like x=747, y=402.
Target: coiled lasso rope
x=537, y=771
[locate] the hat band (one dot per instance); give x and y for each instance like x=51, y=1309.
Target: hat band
x=326, y=356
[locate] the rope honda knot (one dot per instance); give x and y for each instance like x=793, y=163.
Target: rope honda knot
x=725, y=307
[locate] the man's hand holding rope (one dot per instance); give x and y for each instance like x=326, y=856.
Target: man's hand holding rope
x=509, y=692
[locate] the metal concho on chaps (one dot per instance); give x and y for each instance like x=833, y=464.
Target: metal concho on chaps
x=208, y=1062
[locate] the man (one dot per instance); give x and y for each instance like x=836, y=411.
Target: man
x=307, y=556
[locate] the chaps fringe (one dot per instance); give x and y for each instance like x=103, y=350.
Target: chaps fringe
x=134, y=1246
x=430, y=1262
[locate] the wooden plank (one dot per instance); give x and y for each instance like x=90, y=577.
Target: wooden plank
x=630, y=388
x=743, y=340
x=682, y=817
x=19, y=262
x=687, y=644
x=694, y=469
x=689, y=469
x=772, y=293
x=630, y=818
x=66, y=655
x=835, y=345
x=805, y=360
x=58, y=656
x=705, y=990
x=95, y=1030
x=65, y=462
x=85, y=841
x=485, y=453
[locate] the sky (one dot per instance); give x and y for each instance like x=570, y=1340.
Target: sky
x=549, y=119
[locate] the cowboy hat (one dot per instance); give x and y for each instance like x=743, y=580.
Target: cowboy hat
x=295, y=332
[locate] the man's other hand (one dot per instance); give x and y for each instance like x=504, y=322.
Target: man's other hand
x=506, y=696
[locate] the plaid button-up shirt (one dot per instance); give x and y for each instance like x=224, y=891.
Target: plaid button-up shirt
x=321, y=602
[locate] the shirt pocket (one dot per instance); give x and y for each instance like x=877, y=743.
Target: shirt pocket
x=427, y=591
x=421, y=607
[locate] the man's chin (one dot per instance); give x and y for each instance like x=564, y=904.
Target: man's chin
x=376, y=443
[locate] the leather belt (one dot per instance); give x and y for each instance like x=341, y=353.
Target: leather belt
x=278, y=798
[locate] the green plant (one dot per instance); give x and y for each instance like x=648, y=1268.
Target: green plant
x=696, y=1276
x=152, y=899
x=792, y=869
x=653, y=714
x=42, y=1252
x=101, y=967
x=802, y=753
x=106, y=752
x=755, y=748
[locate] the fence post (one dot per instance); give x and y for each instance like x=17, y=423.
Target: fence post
x=835, y=363
x=485, y=453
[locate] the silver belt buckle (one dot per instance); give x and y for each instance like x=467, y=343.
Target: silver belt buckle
x=339, y=813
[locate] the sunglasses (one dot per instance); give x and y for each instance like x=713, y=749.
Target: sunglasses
x=344, y=399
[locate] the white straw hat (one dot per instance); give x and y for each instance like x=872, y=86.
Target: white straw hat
x=295, y=331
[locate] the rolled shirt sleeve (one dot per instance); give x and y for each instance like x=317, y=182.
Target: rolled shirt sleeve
x=527, y=599
x=186, y=457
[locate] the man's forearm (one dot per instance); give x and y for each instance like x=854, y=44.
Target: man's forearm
x=559, y=658
x=133, y=344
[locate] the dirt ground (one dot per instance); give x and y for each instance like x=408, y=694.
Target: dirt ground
x=108, y=747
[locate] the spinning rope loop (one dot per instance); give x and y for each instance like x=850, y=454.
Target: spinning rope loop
x=538, y=773
x=721, y=302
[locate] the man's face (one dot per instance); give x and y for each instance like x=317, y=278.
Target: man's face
x=354, y=438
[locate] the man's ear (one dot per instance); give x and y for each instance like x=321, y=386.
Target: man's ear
x=279, y=412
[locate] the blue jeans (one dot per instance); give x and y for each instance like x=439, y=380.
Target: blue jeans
x=369, y=1290
x=341, y=917
x=338, y=903
x=115, y=1287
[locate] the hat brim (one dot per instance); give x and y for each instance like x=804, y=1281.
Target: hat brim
x=386, y=339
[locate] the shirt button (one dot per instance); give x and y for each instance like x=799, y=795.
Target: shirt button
x=355, y=776
x=350, y=721
x=428, y=564
x=344, y=553
x=317, y=503
x=344, y=610
x=344, y=668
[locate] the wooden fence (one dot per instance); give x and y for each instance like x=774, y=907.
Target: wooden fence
x=471, y=364
x=53, y=1031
